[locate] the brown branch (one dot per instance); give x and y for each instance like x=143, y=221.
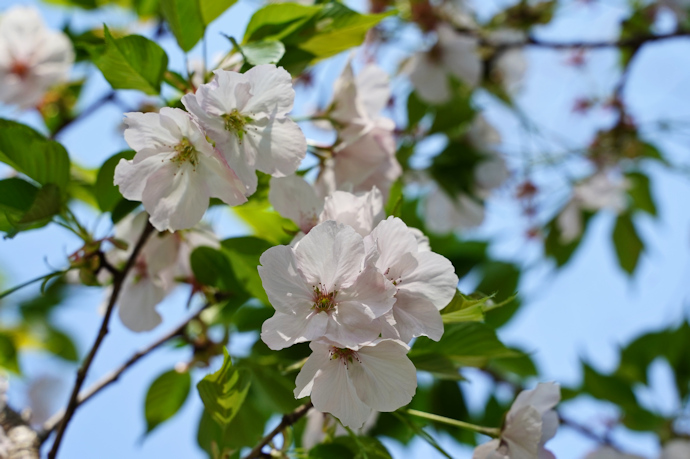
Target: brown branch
x=118, y=281
x=114, y=375
x=95, y=106
x=288, y=420
x=633, y=42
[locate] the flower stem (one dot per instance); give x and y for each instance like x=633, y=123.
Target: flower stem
x=490, y=431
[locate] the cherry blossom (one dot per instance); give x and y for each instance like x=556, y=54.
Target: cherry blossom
x=323, y=288
x=425, y=281
x=365, y=154
x=175, y=170
x=510, y=65
x=529, y=424
x=297, y=200
x=452, y=55
x=444, y=214
x=319, y=424
x=163, y=259
x=598, y=192
x=350, y=383
x=32, y=57
x=245, y=115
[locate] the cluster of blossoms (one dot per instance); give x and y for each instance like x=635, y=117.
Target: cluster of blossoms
x=162, y=262
x=33, y=58
x=235, y=125
x=364, y=154
x=359, y=288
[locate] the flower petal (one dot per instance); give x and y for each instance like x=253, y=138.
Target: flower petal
x=295, y=199
x=286, y=287
x=278, y=145
x=426, y=275
x=385, y=378
x=416, y=317
x=316, y=361
x=272, y=92
x=284, y=330
x=137, y=304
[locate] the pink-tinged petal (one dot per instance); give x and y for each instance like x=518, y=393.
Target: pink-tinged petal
x=372, y=291
x=364, y=148
x=523, y=433
x=549, y=425
x=426, y=275
x=222, y=95
x=293, y=198
x=150, y=133
x=331, y=254
x=137, y=304
x=543, y=398
x=286, y=287
x=316, y=361
x=385, y=378
x=416, y=317
x=351, y=325
x=272, y=93
x=444, y=215
x=333, y=392
x=360, y=211
x=346, y=106
x=278, y=145
x=459, y=55
x=675, y=449
x=176, y=197
x=160, y=252
x=373, y=88
x=284, y=330
x=569, y=222
x=222, y=181
x=393, y=239
x=429, y=79
x=132, y=176
x=486, y=450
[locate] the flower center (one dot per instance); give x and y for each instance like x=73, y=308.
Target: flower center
x=21, y=69
x=394, y=279
x=235, y=122
x=185, y=153
x=323, y=300
x=347, y=356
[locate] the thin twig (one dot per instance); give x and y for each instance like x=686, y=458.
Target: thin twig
x=288, y=420
x=114, y=375
x=118, y=281
x=633, y=42
x=95, y=106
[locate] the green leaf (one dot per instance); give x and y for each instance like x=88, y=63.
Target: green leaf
x=224, y=391
x=122, y=209
x=165, y=397
x=263, y=52
x=30, y=153
x=464, y=309
x=628, y=244
x=640, y=193
x=244, y=254
x=212, y=267
x=131, y=62
x=608, y=387
x=416, y=110
x=330, y=451
x=107, y=193
x=462, y=344
x=8, y=353
x=46, y=204
x=395, y=199
x=60, y=344
x=188, y=18
x=246, y=429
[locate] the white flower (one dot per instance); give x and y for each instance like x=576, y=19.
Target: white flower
x=609, y=453
x=350, y=383
x=425, y=281
x=676, y=449
x=510, y=65
x=32, y=57
x=323, y=288
x=529, y=424
x=453, y=54
x=595, y=193
x=365, y=154
x=444, y=214
x=492, y=170
x=297, y=200
x=245, y=114
x=164, y=258
x=175, y=170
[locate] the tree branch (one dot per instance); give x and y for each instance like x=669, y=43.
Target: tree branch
x=95, y=106
x=633, y=42
x=118, y=281
x=288, y=420
x=114, y=375
x=23, y=440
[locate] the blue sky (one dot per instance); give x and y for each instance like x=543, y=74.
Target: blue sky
x=585, y=310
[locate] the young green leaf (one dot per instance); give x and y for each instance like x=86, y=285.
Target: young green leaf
x=188, y=19
x=165, y=397
x=628, y=244
x=224, y=391
x=131, y=62
x=107, y=194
